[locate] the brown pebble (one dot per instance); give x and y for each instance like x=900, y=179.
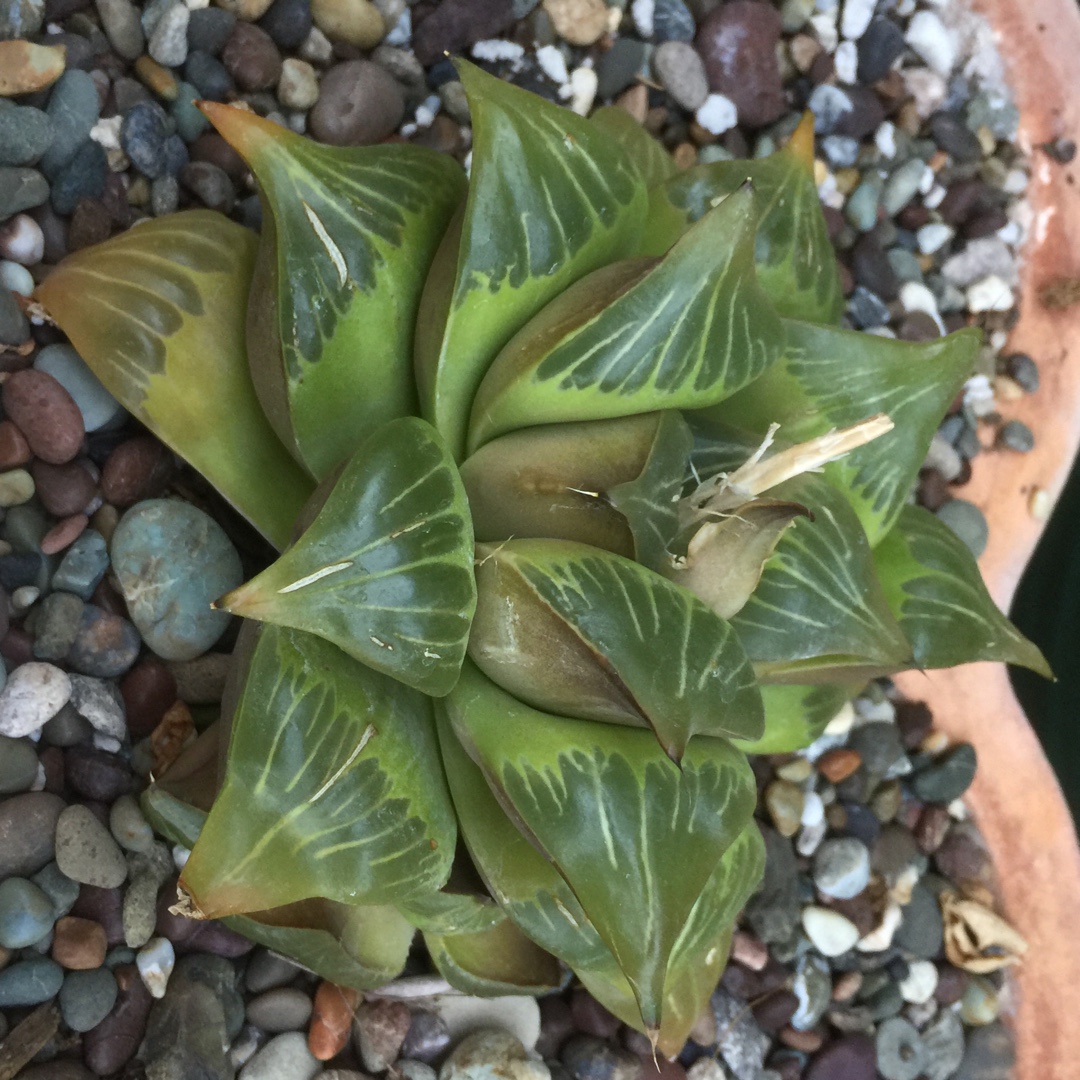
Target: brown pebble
x=113, y=1043
x=137, y=469
x=63, y=534
x=932, y=826
x=359, y=104
x=251, y=57
x=952, y=982
x=775, y=1010
x=839, y=764
x=91, y=224
x=331, y=1020
x=148, y=690
x=14, y=449
x=809, y=1042
x=25, y=68
x=79, y=944
x=105, y=907
x=46, y=414
x=159, y=79
x=847, y=986
x=64, y=489
x=749, y=950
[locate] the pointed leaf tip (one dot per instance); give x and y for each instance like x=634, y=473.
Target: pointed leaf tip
x=801, y=143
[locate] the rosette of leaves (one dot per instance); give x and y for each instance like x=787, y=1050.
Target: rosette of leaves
x=581, y=493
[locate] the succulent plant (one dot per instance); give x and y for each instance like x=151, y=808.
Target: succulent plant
x=582, y=494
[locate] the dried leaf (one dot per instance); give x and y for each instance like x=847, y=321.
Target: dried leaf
x=977, y=939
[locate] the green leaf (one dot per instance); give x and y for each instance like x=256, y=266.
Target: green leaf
x=831, y=378
x=157, y=313
x=554, y=481
x=796, y=715
x=650, y=500
x=657, y=830
x=934, y=587
x=385, y=570
x=350, y=945
x=500, y=960
x=565, y=198
x=444, y=912
x=332, y=787
x=581, y=632
x=685, y=332
x=347, y=236
x=653, y=162
x=819, y=612
x=796, y=264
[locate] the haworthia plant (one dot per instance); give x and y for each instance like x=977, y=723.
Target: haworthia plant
x=584, y=495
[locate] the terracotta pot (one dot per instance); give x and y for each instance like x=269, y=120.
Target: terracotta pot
x=1016, y=799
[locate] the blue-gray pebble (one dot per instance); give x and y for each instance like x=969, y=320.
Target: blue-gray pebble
x=73, y=110
x=26, y=913
x=18, y=764
x=83, y=565
x=30, y=982
x=25, y=134
x=172, y=561
x=87, y=997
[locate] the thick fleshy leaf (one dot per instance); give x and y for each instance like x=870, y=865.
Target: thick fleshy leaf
x=796, y=715
x=350, y=945
x=682, y=333
x=937, y=593
x=157, y=313
x=653, y=162
x=346, y=240
x=819, y=612
x=725, y=558
x=554, y=481
x=796, y=263
x=581, y=632
x=649, y=501
x=500, y=960
x=385, y=570
x=567, y=199
x=452, y=913
x=332, y=788
x=831, y=378
x=655, y=831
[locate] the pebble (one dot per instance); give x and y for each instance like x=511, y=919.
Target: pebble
x=921, y=981
x=737, y=43
x=947, y=777
x=34, y=693
x=27, y=832
x=829, y=932
x=168, y=43
x=155, y=961
x=18, y=765
x=210, y=28
x=359, y=104
x=298, y=87
x=246, y=10
x=922, y=930
x=251, y=58
x=113, y=1042
x=96, y=405
x=143, y=134
x=784, y=801
x=26, y=913
x=64, y=490
x=355, y=22
x=79, y=944
x=991, y=293
x=21, y=189
x=812, y=987
x=30, y=982
x=57, y=624
x=25, y=134
x=128, y=826
x=86, y=852
x=943, y=1040
x=83, y=565
x=73, y=110
x=22, y=19
x=379, y=1032
x=288, y=22
x=933, y=41
x=22, y=241
x=16, y=487
x=46, y=415
x=842, y=868
x=284, y=1008
x=718, y=114
x=25, y=67
x=284, y=1057
x=123, y=27
x=966, y=520
x=100, y=702
x=681, y=72
x=87, y=997
x=332, y=1020
x=105, y=645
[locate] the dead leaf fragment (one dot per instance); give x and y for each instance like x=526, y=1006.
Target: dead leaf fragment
x=976, y=938
x=175, y=732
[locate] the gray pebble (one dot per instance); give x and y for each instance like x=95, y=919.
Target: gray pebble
x=943, y=1040
x=148, y=872
x=100, y=702
x=901, y=1054
x=30, y=982
x=922, y=930
x=18, y=765
x=681, y=71
x=621, y=65
x=129, y=828
x=1016, y=435
x=265, y=971
x=743, y=1045
x=829, y=104
x=427, y=1038
x=209, y=28
x=122, y=26
x=73, y=110
x=812, y=985
x=67, y=728
x=1023, y=371
x=981, y=258
x=947, y=777
x=34, y=693
x=880, y=748
x=281, y=1009
x=58, y=887
x=25, y=134
x=87, y=997
x=164, y=195
x=86, y=852
x=97, y=406
x=14, y=330
x=21, y=18
x=57, y=623
x=28, y=832
x=168, y=43
x=673, y=21
x=902, y=186
x=82, y=177
x=20, y=189
x=842, y=868
x=968, y=522
x=490, y=1053
x=83, y=565
x=284, y=1057
x=26, y=913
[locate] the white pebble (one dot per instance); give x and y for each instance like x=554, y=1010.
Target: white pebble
x=401, y=34
x=933, y=198
x=846, y=62
x=915, y=296
x=34, y=694
x=872, y=711
x=842, y=722
x=24, y=597
x=718, y=114
x=106, y=743
x=495, y=49
x=180, y=856
x=943, y=457
x=642, y=12
x=16, y=277
x=824, y=25
x=553, y=64
x=813, y=811
x=40, y=779
x=880, y=938
x=706, y=1068
x=427, y=110
x=979, y=395
x=885, y=139
x=856, y=18
x=155, y=961
x=927, y=89
x=921, y=982
x=106, y=133
x=990, y=293
x=810, y=836
x=829, y=932
x=583, y=87
x=933, y=237
x=21, y=240
x=933, y=41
